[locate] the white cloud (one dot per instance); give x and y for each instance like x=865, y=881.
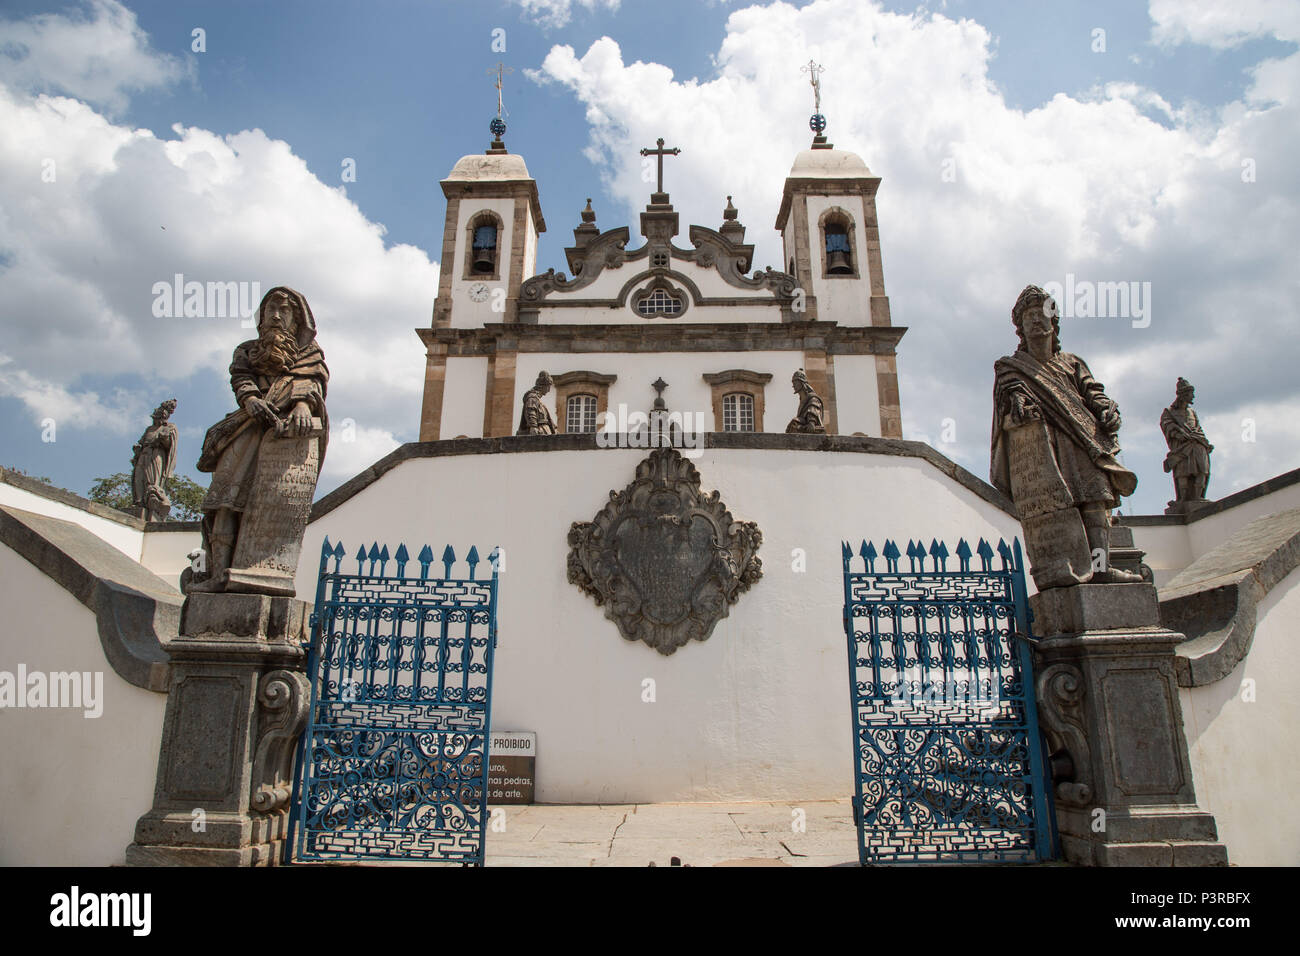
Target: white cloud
x=557, y=13
x=352, y=449
x=1117, y=184
x=126, y=210
x=101, y=57
x=1223, y=25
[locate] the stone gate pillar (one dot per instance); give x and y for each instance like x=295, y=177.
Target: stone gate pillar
x=1108, y=702
x=235, y=709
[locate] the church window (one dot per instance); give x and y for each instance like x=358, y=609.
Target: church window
x=659, y=259
x=737, y=399
x=659, y=302
x=738, y=412
x=580, y=413
x=581, y=398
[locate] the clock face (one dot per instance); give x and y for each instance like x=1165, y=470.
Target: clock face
x=478, y=291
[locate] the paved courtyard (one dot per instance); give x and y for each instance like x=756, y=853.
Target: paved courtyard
x=699, y=834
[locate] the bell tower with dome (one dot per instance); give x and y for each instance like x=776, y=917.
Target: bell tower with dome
x=831, y=242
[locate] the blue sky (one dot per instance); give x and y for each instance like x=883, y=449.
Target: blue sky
x=1115, y=164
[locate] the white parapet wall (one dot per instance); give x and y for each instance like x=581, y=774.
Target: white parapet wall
x=1241, y=732
x=758, y=711
x=73, y=782
x=1173, y=542
x=120, y=530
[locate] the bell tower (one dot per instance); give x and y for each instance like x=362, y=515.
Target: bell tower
x=489, y=247
x=831, y=242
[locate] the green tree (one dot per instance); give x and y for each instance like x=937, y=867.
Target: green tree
x=186, y=495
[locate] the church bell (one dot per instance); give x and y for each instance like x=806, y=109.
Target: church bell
x=837, y=263
x=483, y=260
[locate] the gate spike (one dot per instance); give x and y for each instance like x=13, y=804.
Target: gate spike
x=939, y=552
x=986, y=554
x=846, y=554
x=361, y=560
x=869, y=556
x=327, y=549
x=1004, y=552
x=963, y=553
x=891, y=554
x=339, y=555
x=448, y=559
x=472, y=560
x=374, y=556
x=402, y=556
x=915, y=551
x=426, y=559
x=383, y=559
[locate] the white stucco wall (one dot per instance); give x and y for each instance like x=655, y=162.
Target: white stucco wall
x=1243, y=751
x=1208, y=533
x=759, y=710
x=683, y=371
x=166, y=553
x=857, y=399
x=1171, y=548
x=464, y=392
x=72, y=787
x=123, y=537
x=1168, y=549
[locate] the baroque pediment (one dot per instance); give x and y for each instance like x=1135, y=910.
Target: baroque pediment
x=711, y=252
x=665, y=560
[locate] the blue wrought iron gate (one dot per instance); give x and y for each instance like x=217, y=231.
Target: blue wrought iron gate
x=949, y=763
x=393, y=763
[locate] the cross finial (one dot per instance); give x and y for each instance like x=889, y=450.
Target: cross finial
x=660, y=152
x=500, y=70
x=814, y=72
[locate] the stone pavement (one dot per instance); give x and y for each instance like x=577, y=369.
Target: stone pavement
x=700, y=834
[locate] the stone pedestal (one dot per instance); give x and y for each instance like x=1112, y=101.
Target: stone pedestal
x=1108, y=701
x=235, y=709
x=1126, y=555
x=1187, y=507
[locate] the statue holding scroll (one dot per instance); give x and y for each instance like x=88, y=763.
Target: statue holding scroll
x=265, y=457
x=1055, y=438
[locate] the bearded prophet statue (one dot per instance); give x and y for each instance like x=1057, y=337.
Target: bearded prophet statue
x=265, y=457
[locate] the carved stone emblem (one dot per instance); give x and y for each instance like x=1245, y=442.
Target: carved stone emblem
x=662, y=558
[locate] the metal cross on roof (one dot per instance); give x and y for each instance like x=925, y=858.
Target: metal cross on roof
x=500, y=70
x=814, y=71
x=660, y=153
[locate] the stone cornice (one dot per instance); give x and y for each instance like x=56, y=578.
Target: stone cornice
x=817, y=186
x=666, y=336
x=497, y=189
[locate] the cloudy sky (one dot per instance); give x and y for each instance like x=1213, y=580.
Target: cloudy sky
x=1017, y=142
